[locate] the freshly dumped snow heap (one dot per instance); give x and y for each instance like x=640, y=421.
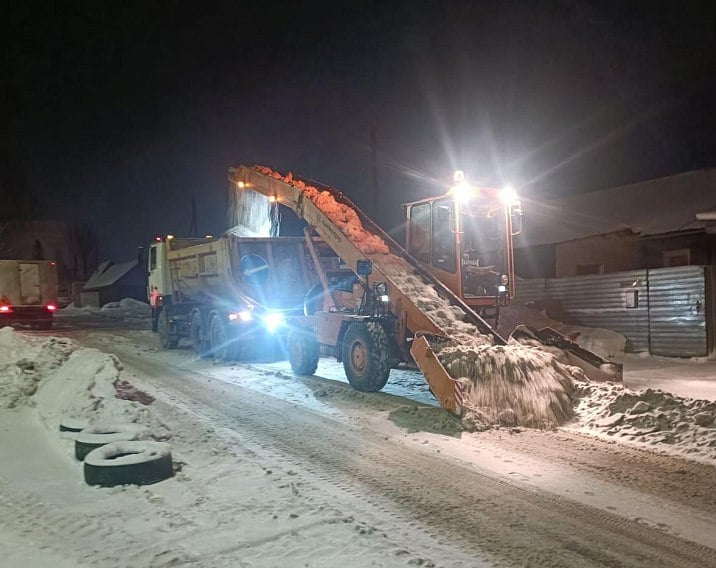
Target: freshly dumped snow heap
x=511, y=384
x=683, y=425
x=65, y=383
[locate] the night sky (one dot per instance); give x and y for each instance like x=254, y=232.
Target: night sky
x=118, y=113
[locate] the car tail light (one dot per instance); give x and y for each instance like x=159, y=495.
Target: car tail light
x=51, y=307
x=5, y=309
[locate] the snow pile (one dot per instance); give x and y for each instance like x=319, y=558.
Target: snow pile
x=65, y=383
x=71, y=309
x=603, y=342
x=128, y=307
x=512, y=384
x=685, y=425
x=24, y=361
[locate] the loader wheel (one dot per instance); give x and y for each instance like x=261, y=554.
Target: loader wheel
x=303, y=352
x=366, y=356
x=219, y=340
x=197, y=341
x=166, y=339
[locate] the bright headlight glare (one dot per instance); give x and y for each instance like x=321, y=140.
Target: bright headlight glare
x=273, y=320
x=244, y=316
x=508, y=195
x=502, y=289
x=384, y=298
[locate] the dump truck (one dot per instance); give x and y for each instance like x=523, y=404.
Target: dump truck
x=459, y=250
x=28, y=292
x=230, y=296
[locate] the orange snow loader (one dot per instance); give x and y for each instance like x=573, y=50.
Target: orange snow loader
x=379, y=304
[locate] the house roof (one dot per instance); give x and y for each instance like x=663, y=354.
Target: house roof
x=108, y=273
x=652, y=207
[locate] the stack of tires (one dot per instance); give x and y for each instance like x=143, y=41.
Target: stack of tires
x=116, y=454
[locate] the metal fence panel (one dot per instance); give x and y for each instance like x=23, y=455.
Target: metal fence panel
x=662, y=311
x=677, y=311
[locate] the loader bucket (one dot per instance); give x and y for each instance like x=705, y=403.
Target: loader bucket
x=595, y=367
x=446, y=389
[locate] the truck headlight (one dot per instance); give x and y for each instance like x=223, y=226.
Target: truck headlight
x=273, y=320
x=244, y=316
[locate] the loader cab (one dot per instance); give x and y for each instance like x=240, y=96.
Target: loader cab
x=464, y=239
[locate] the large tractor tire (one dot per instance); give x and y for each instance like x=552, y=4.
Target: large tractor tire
x=219, y=343
x=303, y=351
x=166, y=339
x=129, y=463
x=366, y=356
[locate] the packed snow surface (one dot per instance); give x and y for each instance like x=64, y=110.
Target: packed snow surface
x=514, y=383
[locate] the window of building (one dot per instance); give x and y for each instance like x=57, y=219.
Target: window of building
x=680, y=257
x=585, y=269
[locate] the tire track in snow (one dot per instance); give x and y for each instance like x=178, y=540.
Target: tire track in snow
x=515, y=525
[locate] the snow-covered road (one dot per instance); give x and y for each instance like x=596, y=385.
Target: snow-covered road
x=280, y=471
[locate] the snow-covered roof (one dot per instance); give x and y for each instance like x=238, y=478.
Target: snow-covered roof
x=108, y=273
x=664, y=205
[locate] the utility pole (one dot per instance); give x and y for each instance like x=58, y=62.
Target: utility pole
x=374, y=172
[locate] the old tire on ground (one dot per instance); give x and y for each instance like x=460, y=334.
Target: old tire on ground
x=219, y=343
x=366, y=356
x=72, y=425
x=303, y=351
x=129, y=463
x=166, y=339
x=99, y=435
x=198, y=340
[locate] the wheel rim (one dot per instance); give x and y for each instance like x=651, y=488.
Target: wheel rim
x=359, y=356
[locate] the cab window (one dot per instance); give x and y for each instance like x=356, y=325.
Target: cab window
x=444, y=256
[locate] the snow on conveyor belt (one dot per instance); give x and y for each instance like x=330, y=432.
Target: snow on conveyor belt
x=510, y=384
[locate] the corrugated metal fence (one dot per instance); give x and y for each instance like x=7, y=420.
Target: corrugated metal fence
x=663, y=311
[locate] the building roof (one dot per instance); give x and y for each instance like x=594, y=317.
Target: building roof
x=108, y=273
x=652, y=207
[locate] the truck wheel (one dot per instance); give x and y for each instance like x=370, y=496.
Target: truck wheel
x=366, y=356
x=219, y=339
x=303, y=351
x=198, y=342
x=129, y=463
x=166, y=339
